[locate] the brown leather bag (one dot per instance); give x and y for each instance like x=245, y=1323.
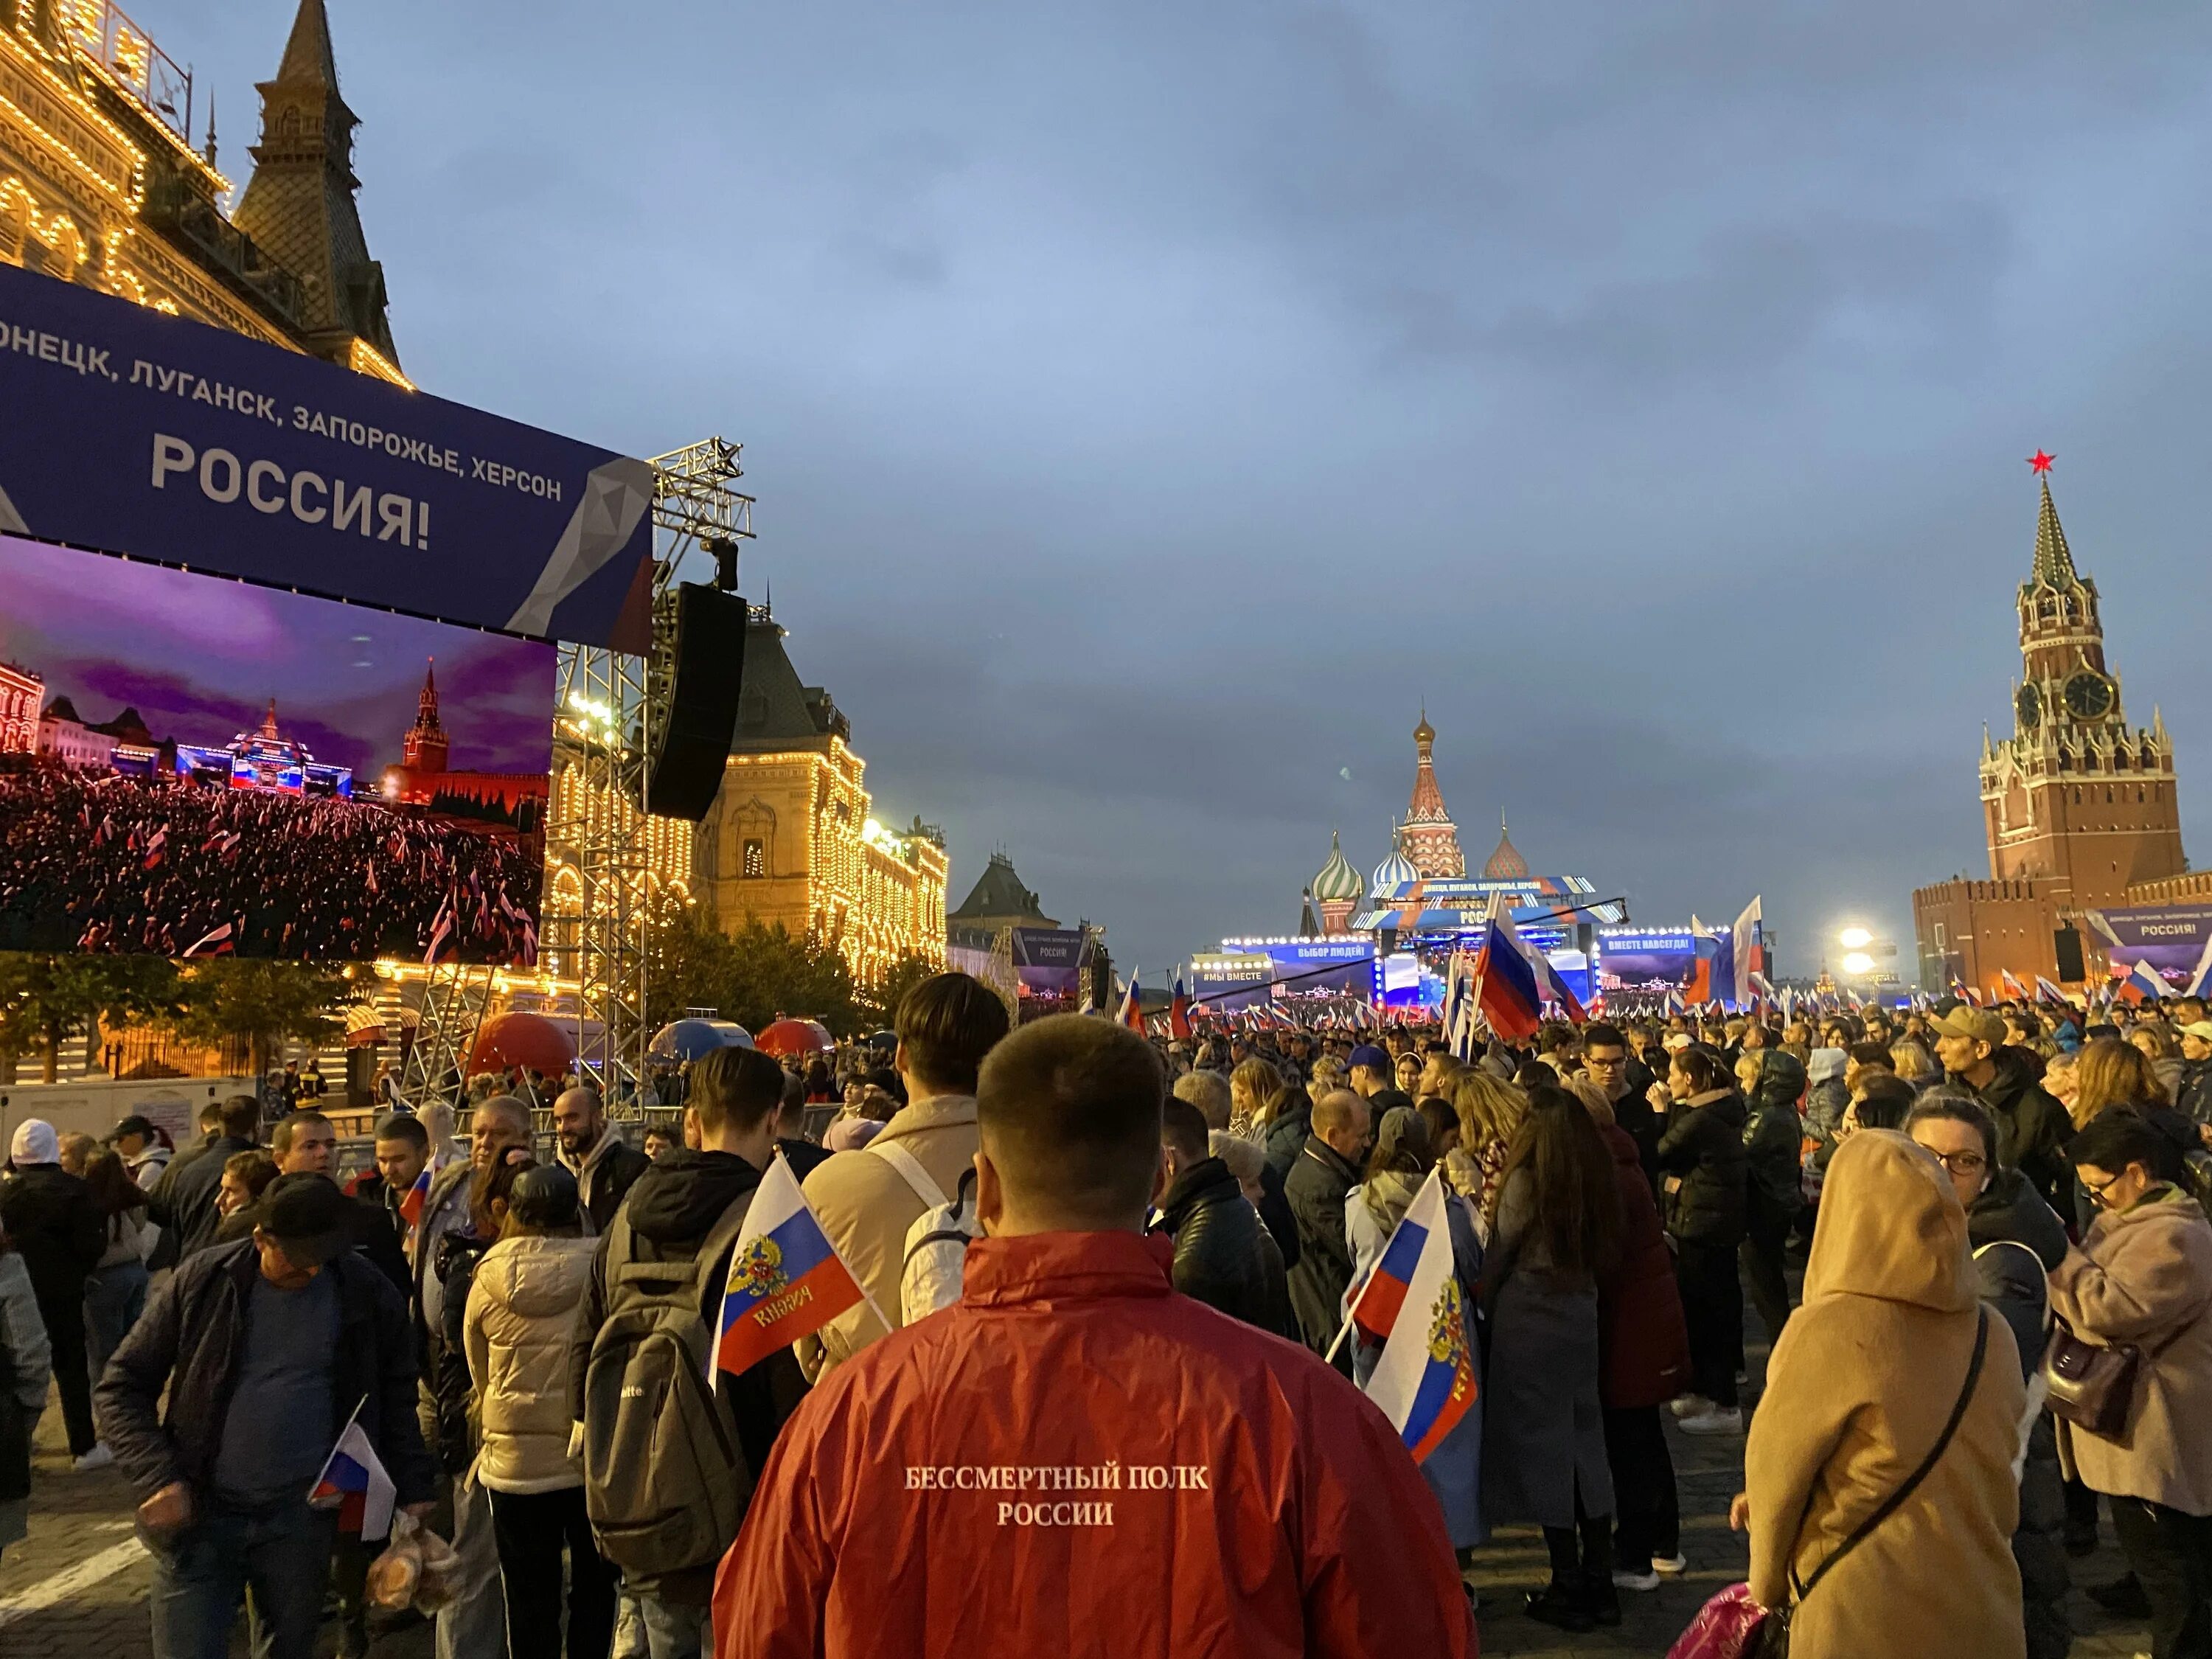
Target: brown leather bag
x=2092, y=1385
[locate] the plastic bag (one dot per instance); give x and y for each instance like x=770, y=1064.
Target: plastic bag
x=417, y=1569
x=1727, y=1627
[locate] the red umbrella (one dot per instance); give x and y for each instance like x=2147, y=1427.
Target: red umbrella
x=790, y=1037
x=531, y=1040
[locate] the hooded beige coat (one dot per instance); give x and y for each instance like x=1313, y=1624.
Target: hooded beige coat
x=1857, y=1392
x=2144, y=1276
x=520, y=1322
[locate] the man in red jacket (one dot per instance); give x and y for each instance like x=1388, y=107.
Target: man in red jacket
x=1074, y=1460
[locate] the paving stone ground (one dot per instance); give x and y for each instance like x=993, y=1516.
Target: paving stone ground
x=79, y=1519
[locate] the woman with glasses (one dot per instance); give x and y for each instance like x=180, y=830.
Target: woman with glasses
x=2141, y=1277
x=2016, y=1238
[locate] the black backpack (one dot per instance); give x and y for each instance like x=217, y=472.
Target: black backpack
x=661, y=1481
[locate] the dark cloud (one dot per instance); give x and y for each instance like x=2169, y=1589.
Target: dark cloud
x=1150, y=405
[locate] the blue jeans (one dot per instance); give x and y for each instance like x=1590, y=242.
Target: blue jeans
x=114, y=1299
x=674, y=1629
x=201, y=1577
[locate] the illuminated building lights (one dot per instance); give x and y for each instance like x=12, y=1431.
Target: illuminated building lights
x=368, y=360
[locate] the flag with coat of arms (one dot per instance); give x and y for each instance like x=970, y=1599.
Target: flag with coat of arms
x=785, y=1279
x=1413, y=1303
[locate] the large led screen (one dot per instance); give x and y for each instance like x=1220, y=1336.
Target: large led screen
x=194, y=766
x=2169, y=940
x=1284, y=971
x=1646, y=961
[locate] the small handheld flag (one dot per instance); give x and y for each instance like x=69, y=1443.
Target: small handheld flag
x=1179, y=1014
x=411, y=1201
x=2143, y=985
x=2046, y=992
x=786, y=1280
x=2201, y=975
x=1425, y=1380
x=1128, y=1014
x=353, y=1482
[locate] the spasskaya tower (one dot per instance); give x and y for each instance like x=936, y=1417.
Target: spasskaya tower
x=2076, y=797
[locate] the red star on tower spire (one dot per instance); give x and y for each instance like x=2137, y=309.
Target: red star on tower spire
x=2041, y=461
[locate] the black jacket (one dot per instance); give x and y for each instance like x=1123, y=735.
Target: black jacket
x=2194, y=1102
x=672, y=1206
x=182, y=1202
x=189, y=1339
x=1704, y=1148
x=458, y=1255
x=1773, y=1135
x=614, y=1174
x=165, y=1247
x=378, y=1232
x=1223, y=1256
x=1285, y=1137
x=1315, y=1189
x=55, y=1226
x=2033, y=1128
x=1275, y=1211
x=2008, y=1211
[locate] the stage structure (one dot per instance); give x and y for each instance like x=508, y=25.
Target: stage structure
x=610, y=706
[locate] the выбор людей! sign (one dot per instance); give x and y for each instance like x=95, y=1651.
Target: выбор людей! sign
x=133, y=432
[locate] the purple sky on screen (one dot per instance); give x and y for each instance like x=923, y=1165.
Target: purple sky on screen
x=200, y=659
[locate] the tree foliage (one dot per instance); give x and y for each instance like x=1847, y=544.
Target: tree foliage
x=754, y=977
x=264, y=1003
x=44, y=1000
x=901, y=976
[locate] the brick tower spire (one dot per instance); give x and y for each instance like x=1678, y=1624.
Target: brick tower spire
x=425, y=748
x=1428, y=838
x=300, y=203
x=2076, y=798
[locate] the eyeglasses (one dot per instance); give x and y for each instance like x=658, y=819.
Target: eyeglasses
x=2096, y=1192
x=1963, y=1163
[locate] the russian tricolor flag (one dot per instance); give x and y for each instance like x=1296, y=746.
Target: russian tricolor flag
x=2142, y=985
x=1425, y=1380
x=353, y=1482
x=1516, y=980
x=786, y=1280
x=412, y=1201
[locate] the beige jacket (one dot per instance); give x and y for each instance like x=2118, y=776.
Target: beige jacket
x=867, y=1207
x=2144, y=1276
x=521, y=1322
x=1857, y=1391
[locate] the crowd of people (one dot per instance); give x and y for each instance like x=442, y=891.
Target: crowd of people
x=1101, y=1372
x=96, y=861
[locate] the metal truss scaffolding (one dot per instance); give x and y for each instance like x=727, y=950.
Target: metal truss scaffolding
x=611, y=706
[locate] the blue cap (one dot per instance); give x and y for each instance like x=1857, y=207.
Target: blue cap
x=1368, y=1055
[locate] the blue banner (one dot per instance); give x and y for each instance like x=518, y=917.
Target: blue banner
x=138, y=433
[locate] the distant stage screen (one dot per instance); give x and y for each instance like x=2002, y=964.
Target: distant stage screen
x=1261, y=970
x=193, y=766
x=2168, y=940
x=1646, y=961
x=1049, y=965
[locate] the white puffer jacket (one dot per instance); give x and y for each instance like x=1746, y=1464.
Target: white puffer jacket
x=521, y=1317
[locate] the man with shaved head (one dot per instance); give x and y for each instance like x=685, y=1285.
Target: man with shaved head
x=1327, y=1169
x=593, y=1150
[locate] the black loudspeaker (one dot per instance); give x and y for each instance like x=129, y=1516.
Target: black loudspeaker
x=694, y=741
x=2068, y=943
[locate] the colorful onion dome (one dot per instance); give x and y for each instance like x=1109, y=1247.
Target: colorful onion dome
x=1506, y=864
x=1338, y=880
x=1395, y=872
